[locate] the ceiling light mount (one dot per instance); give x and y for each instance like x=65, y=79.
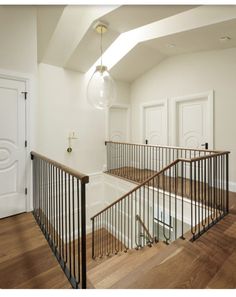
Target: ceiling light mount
x=101, y=27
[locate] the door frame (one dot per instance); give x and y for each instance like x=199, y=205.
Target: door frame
x=191, y=97
x=118, y=106
x=163, y=102
x=28, y=80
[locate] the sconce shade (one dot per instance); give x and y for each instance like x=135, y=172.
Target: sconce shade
x=101, y=90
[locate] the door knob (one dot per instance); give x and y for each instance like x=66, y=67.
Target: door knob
x=205, y=145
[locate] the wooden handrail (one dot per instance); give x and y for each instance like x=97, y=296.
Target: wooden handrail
x=159, y=173
x=168, y=147
x=82, y=177
x=136, y=188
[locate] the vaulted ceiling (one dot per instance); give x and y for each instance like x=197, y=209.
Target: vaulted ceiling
x=139, y=36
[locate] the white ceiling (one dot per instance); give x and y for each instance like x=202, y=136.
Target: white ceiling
x=139, y=60
x=47, y=19
x=150, y=53
x=128, y=17
x=122, y=19
x=66, y=36
x=200, y=39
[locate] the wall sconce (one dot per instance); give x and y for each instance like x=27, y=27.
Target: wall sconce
x=72, y=135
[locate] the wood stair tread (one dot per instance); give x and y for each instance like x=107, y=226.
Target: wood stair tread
x=109, y=272
x=206, y=262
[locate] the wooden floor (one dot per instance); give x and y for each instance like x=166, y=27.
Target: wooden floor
x=26, y=261
x=170, y=184
x=209, y=262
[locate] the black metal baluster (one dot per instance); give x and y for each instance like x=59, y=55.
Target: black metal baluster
x=227, y=183
x=169, y=237
x=112, y=228
x=191, y=196
x=78, y=228
x=83, y=235
x=195, y=196
x=73, y=225
x=175, y=199
x=153, y=205
x=223, y=183
x=163, y=208
x=60, y=211
x=49, y=204
x=158, y=208
x=66, y=217
x=135, y=224
x=69, y=192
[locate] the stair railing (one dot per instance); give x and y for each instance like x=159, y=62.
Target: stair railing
x=188, y=194
x=138, y=162
x=59, y=198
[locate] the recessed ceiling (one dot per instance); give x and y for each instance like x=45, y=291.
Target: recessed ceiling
x=201, y=39
x=47, y=19
x=128, y=17
x=88, y=50
x=140, y=59
x=61, y=50
x=139, y=36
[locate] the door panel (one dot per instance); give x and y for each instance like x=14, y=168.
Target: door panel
x=118, y=125
x=192, y=124
x=155, y=132
x=155, y=125
x=12, y=149
x=118, y=132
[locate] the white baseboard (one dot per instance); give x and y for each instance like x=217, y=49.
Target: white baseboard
x=232, y=186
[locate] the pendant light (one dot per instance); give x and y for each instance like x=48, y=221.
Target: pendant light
x=101, y=89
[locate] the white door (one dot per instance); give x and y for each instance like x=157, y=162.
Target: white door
x=155, y=124
x=118, y=132
x=193, y=124
x=118, y=124
x=12, y=147
x=155, y=132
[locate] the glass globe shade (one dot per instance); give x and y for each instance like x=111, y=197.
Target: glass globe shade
x=101, y=90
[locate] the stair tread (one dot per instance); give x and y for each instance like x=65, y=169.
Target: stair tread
x=109, y=272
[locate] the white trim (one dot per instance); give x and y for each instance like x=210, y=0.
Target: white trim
x=175, y=100
x=232, y=186
x=118, y=106
x=159, y=102
x=28, y=80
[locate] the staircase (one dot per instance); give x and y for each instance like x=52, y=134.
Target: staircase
x=180, y=194
x=187, y=196
x=208, y=262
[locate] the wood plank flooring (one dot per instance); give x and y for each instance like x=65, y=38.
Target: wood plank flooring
x=209, y=262
x=26, y=260
x=181, y=187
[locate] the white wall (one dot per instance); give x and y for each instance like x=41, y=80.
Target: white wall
x=194, y=73
x=63, y=107
x=18, y=50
